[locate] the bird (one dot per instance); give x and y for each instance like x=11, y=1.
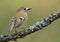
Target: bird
x=18, y=19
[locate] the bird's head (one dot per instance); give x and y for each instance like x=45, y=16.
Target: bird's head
x=23, y=9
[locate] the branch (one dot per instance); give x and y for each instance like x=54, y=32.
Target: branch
x=38, y=26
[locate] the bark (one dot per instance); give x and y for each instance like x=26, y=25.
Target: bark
x=38, y=26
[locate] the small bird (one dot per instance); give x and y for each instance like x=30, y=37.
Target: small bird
x=20, y=17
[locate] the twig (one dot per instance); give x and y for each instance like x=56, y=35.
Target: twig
x=38, y=26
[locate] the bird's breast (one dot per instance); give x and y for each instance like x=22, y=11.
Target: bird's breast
x=20, y=18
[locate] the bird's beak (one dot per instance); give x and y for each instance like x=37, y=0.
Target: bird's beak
x=29, y=8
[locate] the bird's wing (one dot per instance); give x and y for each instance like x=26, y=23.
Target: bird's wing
x=11, y=25
x=19, y=21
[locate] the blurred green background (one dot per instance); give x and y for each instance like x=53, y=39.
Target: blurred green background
x=40, y=9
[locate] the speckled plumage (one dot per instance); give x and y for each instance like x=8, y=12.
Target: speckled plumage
x=17, y=20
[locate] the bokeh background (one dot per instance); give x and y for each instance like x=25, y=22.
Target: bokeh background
x=40, y=9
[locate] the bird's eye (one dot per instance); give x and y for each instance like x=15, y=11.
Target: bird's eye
x=20, y=18
x=24, y=8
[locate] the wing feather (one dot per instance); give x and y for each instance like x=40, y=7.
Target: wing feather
x=11, y=25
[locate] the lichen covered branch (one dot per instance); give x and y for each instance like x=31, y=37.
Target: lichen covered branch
x=38, y=26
